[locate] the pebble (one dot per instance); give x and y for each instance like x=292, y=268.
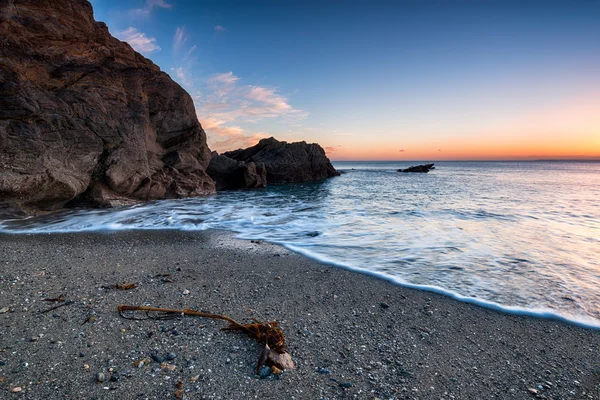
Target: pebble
x=346, y=385
x=16, y=389
x=264, y=372
x=157, y=358
x=324, y=371
x=114, y=377
x=170, y=356
x=532, y=391
x=100, y=377
x=81, y=354
x=185, y=292
x=384, y=305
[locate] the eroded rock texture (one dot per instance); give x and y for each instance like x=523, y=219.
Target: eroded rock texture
x=287, y=162
x=230, y=174
x=84, y=119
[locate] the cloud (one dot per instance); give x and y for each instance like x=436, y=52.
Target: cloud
x=219, y=28
x=228, y=105
x=190, y=51
x=223, y=138
x=147, y=10
x=138, y=40
x=179, y=38
x=226, y=78
x=183, y=76
x=330, y=149
x=158, y=3
x=401, y=150
x=269, y=98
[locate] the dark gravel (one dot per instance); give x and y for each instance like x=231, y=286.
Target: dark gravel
x=346, y=343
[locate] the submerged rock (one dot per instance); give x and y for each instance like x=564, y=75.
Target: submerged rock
x=231, y=174
x=84, y=119
x=287, y=162
x=418, y=168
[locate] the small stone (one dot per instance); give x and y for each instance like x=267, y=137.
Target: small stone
x=4, y=310
x=384, y=305
x=324, y=371
x=100, y=377
x=138, y=363
x=345, y=385
x=86, y=366
x=194, y=378
x=114, y=377
x=264, y=372
x=81, y=354
x=170, y=356
x=157, y=358
x=16, y=389
x=532, y=391
x=168, y=367
x=185, y=292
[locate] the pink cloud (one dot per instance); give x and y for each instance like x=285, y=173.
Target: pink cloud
x=138, y=40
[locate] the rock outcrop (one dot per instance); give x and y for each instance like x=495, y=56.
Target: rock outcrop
x=287, y=162
x=418, y=168
x=86, y=119
x=230, y=174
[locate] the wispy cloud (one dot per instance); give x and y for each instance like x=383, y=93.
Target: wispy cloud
x=219, y=29
x=226, y=78
x=228, y=105
x=180, y=38
x=190, y=51
x=148, y=7
x=138, y=40
x=183, y=76
x=268, y=97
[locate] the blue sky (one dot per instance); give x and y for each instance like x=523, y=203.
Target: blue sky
x=381, y=79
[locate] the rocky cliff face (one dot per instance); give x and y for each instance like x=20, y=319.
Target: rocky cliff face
x=230, y=174
x=287, y=162
x=86, y=119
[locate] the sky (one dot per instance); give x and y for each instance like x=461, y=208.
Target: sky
x=381, y=80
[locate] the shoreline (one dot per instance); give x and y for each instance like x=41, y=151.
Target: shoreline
x=352, y=335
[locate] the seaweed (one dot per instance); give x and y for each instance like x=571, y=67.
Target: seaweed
x=274, y=353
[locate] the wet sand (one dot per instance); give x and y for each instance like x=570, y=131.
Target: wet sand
x=351, y=335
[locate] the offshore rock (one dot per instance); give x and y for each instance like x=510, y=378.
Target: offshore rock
x=418, y=168
x=84, y=119
x=230, y=174
x=287, y=162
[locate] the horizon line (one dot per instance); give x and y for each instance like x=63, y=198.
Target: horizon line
x=592, y=159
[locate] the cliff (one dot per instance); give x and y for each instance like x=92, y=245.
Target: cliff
x=84, y=119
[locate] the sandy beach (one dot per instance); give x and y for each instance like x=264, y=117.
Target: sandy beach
x=350, y=335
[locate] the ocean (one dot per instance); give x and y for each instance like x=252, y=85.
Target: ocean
x=521, y=237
